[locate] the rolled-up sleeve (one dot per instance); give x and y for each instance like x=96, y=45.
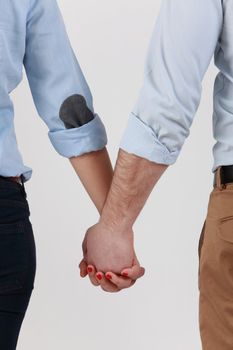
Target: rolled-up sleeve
x=184, y=40
x=59, y=89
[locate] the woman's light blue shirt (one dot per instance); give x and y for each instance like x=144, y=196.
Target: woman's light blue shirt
x=32, y=34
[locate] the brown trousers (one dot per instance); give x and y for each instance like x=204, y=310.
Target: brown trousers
x=216, y=271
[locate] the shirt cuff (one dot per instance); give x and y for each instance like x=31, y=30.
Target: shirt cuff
x=140, y=139
x=77, y=141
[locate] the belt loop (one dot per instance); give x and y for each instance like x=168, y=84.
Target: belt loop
x=219, y=184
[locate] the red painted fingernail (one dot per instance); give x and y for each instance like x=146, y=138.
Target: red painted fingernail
x=108, y=276
x=125, y=274
x=99, y=276
x=89, y=269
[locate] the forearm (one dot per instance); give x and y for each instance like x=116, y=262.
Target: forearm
x=134, y=178
x=95, y=172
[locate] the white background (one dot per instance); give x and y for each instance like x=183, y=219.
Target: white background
x=160, y=312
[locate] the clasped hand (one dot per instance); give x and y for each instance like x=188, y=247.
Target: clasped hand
x=109, y=258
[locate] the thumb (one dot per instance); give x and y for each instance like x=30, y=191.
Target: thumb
x=83, y=268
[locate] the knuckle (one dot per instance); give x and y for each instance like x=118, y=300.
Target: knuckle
x=95, y=283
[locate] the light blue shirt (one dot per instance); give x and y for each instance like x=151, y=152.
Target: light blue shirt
x=187, y=34
x=32, y=34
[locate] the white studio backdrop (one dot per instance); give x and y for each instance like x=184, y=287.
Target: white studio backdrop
x=160, y=312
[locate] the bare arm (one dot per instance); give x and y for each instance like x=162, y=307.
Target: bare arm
x=95, y=172
x=132, y=184
x=108, y=246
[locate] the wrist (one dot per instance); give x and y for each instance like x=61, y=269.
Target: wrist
x=115, y=224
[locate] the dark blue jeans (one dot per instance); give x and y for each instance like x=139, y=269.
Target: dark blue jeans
x=17, y=260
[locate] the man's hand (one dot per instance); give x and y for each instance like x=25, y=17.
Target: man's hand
x=108, y=249
x=109, y=258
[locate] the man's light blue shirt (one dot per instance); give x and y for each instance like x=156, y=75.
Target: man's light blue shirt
x=187, y=34
x=32, y=34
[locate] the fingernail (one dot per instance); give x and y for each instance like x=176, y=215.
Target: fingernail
x=99, y=276
x=108, y=276
x=89, y=269
x=125, y=274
